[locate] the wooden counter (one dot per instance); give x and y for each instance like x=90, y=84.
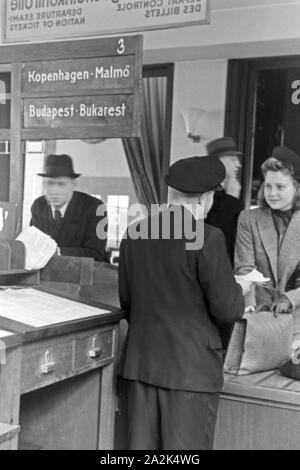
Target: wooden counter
x=259, y=412
x=57, y=376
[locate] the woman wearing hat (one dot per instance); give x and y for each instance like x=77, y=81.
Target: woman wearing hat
x=268, y=238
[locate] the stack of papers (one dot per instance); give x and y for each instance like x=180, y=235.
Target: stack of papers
x=40, y=248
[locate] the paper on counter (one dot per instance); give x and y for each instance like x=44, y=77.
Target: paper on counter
x=3, y=333
x=35, y=308
x=254, y=276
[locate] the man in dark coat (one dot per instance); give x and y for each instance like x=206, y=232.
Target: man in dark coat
x=227, y=206
x=75, y=220
x=172, y=295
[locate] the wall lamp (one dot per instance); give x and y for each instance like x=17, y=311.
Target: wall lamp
x=192, y=118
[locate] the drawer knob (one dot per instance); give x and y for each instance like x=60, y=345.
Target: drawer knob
x=48, y=366
x=95, y=352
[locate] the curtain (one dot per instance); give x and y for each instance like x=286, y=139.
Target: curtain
x=145, y=155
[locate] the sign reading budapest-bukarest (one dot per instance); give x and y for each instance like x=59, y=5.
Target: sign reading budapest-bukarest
x=74, y=111
x=27, y=20
x=94, y=95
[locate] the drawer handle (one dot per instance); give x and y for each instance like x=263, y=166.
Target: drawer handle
x=96, y=351
x=48, y=366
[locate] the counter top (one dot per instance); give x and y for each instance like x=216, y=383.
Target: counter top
x=270, y=386
x=52, y=314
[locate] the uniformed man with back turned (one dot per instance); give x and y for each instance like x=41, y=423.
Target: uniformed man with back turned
x=172, y=295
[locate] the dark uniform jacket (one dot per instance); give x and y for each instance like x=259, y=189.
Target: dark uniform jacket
x=77, y=233
x=224, y=214
x=172, y=297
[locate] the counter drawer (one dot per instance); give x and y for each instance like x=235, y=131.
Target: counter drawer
x=91, y=349
x=45, y=363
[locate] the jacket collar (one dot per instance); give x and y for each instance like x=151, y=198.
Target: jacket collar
x=290, y=248
x=283, y=263
x=269, y=239
x=71, y=213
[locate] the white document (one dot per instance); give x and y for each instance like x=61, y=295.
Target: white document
x=40, y=248
x=3, y=334
x=35, y=308
x=254, y=276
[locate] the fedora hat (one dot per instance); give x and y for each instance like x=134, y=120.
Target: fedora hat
x=288, y=157
x=196, y=175
x=59, y=166
x=222, y=147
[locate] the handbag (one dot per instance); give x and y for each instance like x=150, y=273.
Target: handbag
x=259, y=342
x=290, y=370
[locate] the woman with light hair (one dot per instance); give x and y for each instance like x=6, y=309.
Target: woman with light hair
x=268, y=237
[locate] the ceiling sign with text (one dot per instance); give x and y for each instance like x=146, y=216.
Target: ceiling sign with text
x=107, y=110
x=27, y=20
x=89, y=74
x=96, y=96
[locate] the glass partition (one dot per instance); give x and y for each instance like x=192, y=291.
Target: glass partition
x=104, y=175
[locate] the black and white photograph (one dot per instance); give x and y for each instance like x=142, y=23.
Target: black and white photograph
x=149, y=228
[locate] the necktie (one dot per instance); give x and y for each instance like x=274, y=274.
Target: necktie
x=57, y=217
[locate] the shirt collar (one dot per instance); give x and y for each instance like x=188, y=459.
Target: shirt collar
x=195, y=210
x=62, y=210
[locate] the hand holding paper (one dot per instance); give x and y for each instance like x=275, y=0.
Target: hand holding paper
x=245, y=285
x=254, y=277
x=40, y=248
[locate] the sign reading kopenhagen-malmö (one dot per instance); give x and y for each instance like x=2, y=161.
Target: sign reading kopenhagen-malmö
x=27, y=20
x=88, y=74
x=99, y=95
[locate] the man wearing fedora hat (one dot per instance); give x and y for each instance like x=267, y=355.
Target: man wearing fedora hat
x=68, y=216
x=227, y=206
x=172, y=297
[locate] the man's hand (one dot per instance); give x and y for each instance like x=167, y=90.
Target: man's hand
x=281, y=306
x=245, y=285
x=232, y=186
x=250, y=309
x=295, y=346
